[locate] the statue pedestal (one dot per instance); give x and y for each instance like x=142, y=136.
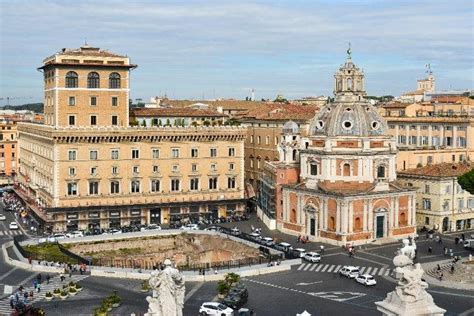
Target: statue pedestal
x=392, y=305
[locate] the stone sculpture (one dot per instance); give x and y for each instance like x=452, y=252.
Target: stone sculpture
x=168, y=292
x=409, y=248
x=410, y=296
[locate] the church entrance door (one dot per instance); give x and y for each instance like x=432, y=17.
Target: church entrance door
x=380, y=226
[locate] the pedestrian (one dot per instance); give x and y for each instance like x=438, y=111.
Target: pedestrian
x=12, y=301
x=438, y=268
x=31, y=295
x=38, y=288
x=452, y=268
x=463, y=237
x=70, y=273
x=299, y=238
x=430, y=250
x=47, y=278
x=30, y=260
x=445, y=251
x=39, y=278
x=456, y=240
x=322, y=248
x=61, y=276
x=441, y=277
x=440, y=241
x=35, y=283
x=25, y=295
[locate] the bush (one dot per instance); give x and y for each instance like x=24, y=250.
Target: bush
x=57, y=291
x=49, y=294
x=232, y=278
x=64, y=293
x=222, y=287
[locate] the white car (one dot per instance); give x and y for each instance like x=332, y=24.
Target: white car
x=284, y=246
x=13, y=225
x=366, y=279
x=75, y=234
x=300, y=252
x=3, y=217
x=56, y=237
x=235, y=231
x=312, y=257
x=267, y=241
x=215, y=308
x=190, y=227
x=349, y=271
x=255, y=236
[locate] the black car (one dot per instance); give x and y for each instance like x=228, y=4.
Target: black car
x=234, y=301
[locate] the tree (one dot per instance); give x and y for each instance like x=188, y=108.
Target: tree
x=144, y=123
x=168, y=123
x=466, y=181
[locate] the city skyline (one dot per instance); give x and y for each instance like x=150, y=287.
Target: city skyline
x=195, y=50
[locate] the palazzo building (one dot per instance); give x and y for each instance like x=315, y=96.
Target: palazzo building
x=86, y=167
x=347, y=191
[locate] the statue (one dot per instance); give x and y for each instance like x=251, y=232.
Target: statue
x=409, y=248
x=410, y=296
x=168, y=292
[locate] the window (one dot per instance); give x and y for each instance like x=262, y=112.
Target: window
x=175, y=168
x=155, y=186
x=114, y=154
x=174, y=185
x=314, y=169
x=427, y=188
x=275, y=141
x=93, y=120
x=267, y=140
x=346, y=170
x=194, y=184
x=258, y=140
x=251, y=139
x=446, y=204
x=72, y=155
x=427, y=220
x=194, y=153
x=213, y=183
x=93, y=188
x=114, y=101
x=71, y=79
x=213, y=167
x=114, y=187
x=93, y=80
x=72, y=120
x=460, y=204
x=470, y=203
x=381, y=172
x=175, y=153
x=231, y=183
x=231, y=152
x=93, y=101
x=231, y=166
x=93, y=155
x=194, y=167
x=155, y=153
x=115, y=170
x=447, y=189
x=114, y=120
x=213, y=152
x=258, y=163
x=93, y=171
x=429, y=160
x=135, y=186
x=114, y=81
x=135, y=153
x=136, y=169
x=156, y=169
x=72, y=188
x=72, y=171
x=426, y=204
x=72, y=101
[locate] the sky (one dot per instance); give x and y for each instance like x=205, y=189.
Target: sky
x=224, y=49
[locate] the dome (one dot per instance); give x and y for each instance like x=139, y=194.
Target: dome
x=290, y=128
x=348, y=119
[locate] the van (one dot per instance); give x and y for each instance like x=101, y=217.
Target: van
x=284, y=246
x=469, y=244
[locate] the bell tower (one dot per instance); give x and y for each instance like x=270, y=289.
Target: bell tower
x=349, y=81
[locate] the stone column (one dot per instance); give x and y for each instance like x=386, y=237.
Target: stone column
x=370, y=211
x=325, y=212
x=366, y=213
x=413, y=213
x=396, y=210
x=441, y=135
x=338, y=217
x=397, y=131
x=345, y=216
x=351, y=217
x=455, y=136
x=418, y=135
x=430, y=135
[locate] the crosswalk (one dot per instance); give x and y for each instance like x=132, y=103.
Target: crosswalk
x=10, y=232
x=333, y=268
x=54, y=283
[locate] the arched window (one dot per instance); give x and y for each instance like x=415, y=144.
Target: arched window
x=402, y=219
x=346, y=170
x=293, y=216
x=114, y=81
x=93, y=80
x=332, y=223
x=349, y=84
x=381, y=172
x=71, y=79
x=357, y=224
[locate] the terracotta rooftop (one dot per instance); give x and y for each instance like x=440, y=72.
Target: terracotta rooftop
x=448, y=99
x=281, y=111
x=394, y=105
x=440, y=170
x=174, y=112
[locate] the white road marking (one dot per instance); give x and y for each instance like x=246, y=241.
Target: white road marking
x=337, y=268
x=306, y=268
x=318, y=268
x=332, y=267
x=381, y=271
x=313, y=266
x=325, y=268
x=361, y=270
x=368, y=270
x=192, y=291
x=301, y=266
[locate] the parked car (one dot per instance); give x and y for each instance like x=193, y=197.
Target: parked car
x=235, y=231
x=151, y=227
x=13, y=225
x=312, y=257
x=213, y=229
x=349, y=271
x=365, y=279
x=215, y=308
x=190, y=227
x=3, y=217
x=284, y=246
x=469, y=244
x=255, y=236
x=299, y=252
x=234, y=301
x=75, y=234
x=267, y=241
x=56, y=237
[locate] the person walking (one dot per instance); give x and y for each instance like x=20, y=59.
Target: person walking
x=438, y=268
x=441, y=277
x=445, y=251
x=321, y=248
x=38, y=289
x=12, y=301
x=39, y=277
x=430, y=250
x=47, y=278
x=452, y=268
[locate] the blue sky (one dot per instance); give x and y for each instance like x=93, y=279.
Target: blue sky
x=222, y=49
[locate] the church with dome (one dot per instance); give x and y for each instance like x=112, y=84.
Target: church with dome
x=346, y=191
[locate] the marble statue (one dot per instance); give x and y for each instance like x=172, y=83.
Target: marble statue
x=168, y=292
x=410, y=296
x=409, y=248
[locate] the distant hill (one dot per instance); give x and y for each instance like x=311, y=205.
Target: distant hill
x=35, y=107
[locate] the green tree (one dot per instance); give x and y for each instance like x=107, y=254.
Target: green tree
x=466, y=181
x=168, y=123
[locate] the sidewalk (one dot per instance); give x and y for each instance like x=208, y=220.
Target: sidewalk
x=460, y=282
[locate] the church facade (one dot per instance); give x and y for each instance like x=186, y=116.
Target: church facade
x=347, y=190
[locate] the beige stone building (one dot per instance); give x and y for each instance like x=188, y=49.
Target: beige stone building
x=441, y=202
x=86, y=167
